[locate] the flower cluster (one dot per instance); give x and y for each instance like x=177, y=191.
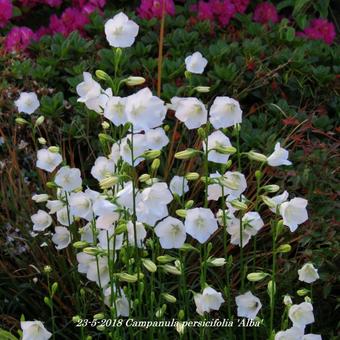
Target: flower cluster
x=265, y=12
x=149, y=9
x=72, y=19
x=320, y=29
x=133, y=220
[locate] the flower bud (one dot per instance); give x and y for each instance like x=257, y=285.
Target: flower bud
x=121, y=228
x=144, y=178
x=189, y=204
x=268, y=201
x=47, y=269
x=284, y=248
x=92, y=251
x=308, y=299
x=254, y=277
x=180, y=328
x=201, y=133
x=187, y=247
x=168, y=297
x=187, y=154
x=155, y=164
x=171, y=269
x=151, y=154
x=287, y=300
x=100, y=74
x=181, y=314
x=181, y=213
x=271, y=288
x=82, y=292
x=192, y=176
x=21, y=121
x=40, y=198
x=255, y=156
x=160, y=312
x=216, y=262
x=108, y=182
x=51, y=185
x=39, y=121
x=149, y=265
x=101, y=328
x=187, y=74
x=228, y=183
x=105, y=125
x=54, y=288
x=133, y=81
x=302, y=292
x=258, y=174
x=202, y=89
x=165, y=258
x=42, y=140
x=239, y=205
x=99, y=316
x=226, y=150
x=76, y=318
x=129, y=277
x=271, y=188
x=103, y=137
x=54, y=149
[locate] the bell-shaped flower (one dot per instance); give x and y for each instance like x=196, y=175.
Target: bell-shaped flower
x=200, y=223
x=88, y=89
x=115, y=110
x=233, y=229
x=171, y=233
x=108, y=240
x=119, y=302
x=144, y=110
x=103, y=167
x=68, y=178
x=28, y=102
x=41, y=220
x=278, y=200
x=308, y=273
x=217, y=140
x=196, y=63
x=87, y=233
x=208, y=301
x=239, y=184
x=140, y=233
x=156, y=139
x=65, y=217
x=278, y=157
x=101, y=207
x=302, y=314
x=61, y=238
x=99, y=273
x=107, y=220
x=225, y=112
x=293, y=333
x=215, y=190
x=125, y=196
x=115, y=153
x=98, y=103
x=294, y=212
x=190, y=111
x=120, y=31
x=248, y=305
x=228, y=215
x=252, y=222
x=47, y=160
x=179, y=185
x=34, y=330
x=139, y=147
x=54, y=205
x=81, y=205
x=84, y=261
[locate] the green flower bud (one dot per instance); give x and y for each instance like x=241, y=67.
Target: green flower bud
x=144, y=178
x=272, y=188
x=302, y=292
x=149, y=265
x=92, y=251
x=47, y=269
x=39, y=121
x=54, y=288
x=99, y=316
x=133, y=81
x=239, y=205
x=192, y=176
x=187, y=247
x=181, y=213
x=254, y=277
x=51, y=185
x=271, y=287
x=103, y=138
x=76, y=318
x=100, y=74
x=108, y=182
x=259, y=157
x=80, y=244
x=165, y=258
x=189, y=204
x=21, y=121
x=187, y=154
x=268, y=201
x=202, y=89
x=226, y=150
x=216, y=261
x=105, y=125
x=129, y=277
x=171, y=269
x=258, y=174
x=101, y=328
x=155, y=164
x=181, y=314
x=151, y=154
x=284, y=248
x=168, y=297
x=42, y=141
x=54, y=149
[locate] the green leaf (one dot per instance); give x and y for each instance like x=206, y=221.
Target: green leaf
x=290, y=33
x=4, y=335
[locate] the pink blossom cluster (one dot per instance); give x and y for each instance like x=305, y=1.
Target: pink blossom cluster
x=265, y=12
x=220, y=10
x=149, y=9
x=72, y=19
x=6, y=12
x=320, y=29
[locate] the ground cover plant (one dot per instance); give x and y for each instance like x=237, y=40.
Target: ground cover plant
x=285, y=91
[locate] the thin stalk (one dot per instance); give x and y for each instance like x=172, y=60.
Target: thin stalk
x=160, y=52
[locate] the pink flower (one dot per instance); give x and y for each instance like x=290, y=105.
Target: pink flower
x=320, y=29
x=18, y=39
x=265, y=12
x=205, y=11
x=224, y=11
x=149, y=9
x=6, y=12
x=240, y=5
x=53, y=3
